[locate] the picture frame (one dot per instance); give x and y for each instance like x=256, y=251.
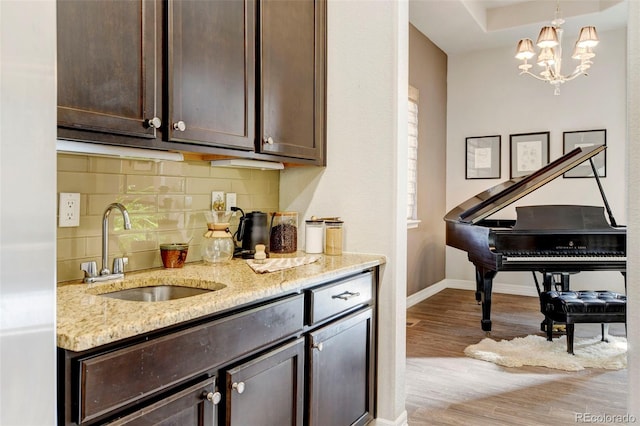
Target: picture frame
x=586, y=138
x=482, y=159
x=528, y=153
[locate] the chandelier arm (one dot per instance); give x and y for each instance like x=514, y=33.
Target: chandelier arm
x=533, y=75
x=575, y=74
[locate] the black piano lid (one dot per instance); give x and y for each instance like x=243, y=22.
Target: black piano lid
x=498, y=197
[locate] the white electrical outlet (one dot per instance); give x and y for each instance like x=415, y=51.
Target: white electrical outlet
x=231, y=200
x=69, y=209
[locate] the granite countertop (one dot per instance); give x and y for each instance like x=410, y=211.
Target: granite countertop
x=85, y=319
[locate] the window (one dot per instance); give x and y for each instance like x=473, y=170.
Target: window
x=412, y=166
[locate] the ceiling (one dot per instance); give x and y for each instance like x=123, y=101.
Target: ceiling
x=458, y=26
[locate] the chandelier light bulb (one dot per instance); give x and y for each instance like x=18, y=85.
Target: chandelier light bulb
x=525, y=49
x=588, y=37
x=548, y=37
x=581, y=53
x=546, y=58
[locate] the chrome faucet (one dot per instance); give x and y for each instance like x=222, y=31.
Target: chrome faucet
x=89, y=268
x=105, y=233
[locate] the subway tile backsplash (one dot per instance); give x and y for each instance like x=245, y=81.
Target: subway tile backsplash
x=165, y=200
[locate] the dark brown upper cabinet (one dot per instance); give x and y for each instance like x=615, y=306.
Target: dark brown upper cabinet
x=292, y=61
x=107, y=67
x=210, y=97
x=243, y=78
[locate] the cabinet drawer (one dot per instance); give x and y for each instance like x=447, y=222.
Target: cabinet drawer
x=186, y=407
x=114, y=379
x=342, y=296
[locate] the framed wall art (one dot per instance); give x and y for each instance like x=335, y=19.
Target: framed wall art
x=586, y=138
x=529, y=152
x=483, y=157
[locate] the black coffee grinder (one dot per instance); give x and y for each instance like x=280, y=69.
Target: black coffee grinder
x=253, y=228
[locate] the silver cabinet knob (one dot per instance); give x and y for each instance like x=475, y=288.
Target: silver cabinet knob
x=154, y=123
x=180, y=126
x=213, y=397
x=268, y=140
x=318, y=346
x=238, y=386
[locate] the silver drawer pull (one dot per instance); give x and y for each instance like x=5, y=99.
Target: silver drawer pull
x=318, y=346
x=346, y=295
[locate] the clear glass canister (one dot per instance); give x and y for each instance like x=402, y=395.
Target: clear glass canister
x=283, y=233
x=333, y=237
x=314, y=235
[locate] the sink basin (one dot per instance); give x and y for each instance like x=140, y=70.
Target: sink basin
x=157, y=293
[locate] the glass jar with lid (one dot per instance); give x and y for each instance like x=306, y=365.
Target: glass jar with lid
x=333, y=237
x=283, y=232
x=314, y=235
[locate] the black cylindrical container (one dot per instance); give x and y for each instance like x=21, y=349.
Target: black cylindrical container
x=255, y=231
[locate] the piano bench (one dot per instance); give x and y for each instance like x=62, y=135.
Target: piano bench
x=572, y=307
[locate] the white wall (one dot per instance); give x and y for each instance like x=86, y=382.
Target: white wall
x=633, y=249
x=488, y=97
x=27, y=218
x=362, y=183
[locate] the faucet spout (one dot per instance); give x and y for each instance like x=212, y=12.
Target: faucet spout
x=105, y=233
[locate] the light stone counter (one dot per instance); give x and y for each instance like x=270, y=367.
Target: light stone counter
x=85, y=319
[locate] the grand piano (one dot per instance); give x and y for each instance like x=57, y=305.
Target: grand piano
x=555, y=240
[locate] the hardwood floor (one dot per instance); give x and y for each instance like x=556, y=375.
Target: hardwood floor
x=444, y=387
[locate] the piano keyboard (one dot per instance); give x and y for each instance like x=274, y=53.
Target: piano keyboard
x=553, y=259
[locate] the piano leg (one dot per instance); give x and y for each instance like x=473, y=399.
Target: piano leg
x=558, y=281
x=484, y=284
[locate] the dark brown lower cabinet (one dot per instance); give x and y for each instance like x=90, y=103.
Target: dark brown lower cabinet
x=341, y=372
x=267, y=390
x=193, y=406
x=302, y=359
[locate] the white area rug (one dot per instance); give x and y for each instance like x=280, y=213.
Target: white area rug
x=536, y=350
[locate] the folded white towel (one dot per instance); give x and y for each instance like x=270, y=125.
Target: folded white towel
x=280, y=263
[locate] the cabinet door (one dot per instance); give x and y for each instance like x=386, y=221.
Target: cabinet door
x=107, y=66
x=211, y=73
x=193, y=406
x=341, y=388
x=268, y=390
x=292, y=75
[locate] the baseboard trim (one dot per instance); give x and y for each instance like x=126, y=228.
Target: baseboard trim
x=426, y=293
x=402, y=420
x=436, y=288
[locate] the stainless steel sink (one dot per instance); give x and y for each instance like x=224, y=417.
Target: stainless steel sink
x=158, y=293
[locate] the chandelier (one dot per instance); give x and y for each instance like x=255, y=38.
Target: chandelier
x=550, y=54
